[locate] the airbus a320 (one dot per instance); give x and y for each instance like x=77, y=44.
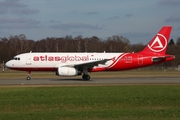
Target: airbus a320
x=73, y=64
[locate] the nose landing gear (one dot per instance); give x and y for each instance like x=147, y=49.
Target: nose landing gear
x=28, y=75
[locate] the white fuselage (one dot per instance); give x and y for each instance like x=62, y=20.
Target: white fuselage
x=44, y=61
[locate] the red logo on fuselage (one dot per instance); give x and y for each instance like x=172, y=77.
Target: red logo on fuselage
x=62, y=59
x=159, y=43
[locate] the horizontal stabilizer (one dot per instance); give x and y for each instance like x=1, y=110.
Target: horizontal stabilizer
x=160, y=58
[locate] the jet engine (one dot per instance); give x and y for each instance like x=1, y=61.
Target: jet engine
x=67, y=71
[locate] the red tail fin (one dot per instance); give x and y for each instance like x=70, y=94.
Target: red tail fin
x=160, y=41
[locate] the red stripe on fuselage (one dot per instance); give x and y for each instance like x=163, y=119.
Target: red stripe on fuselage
x=116, y=60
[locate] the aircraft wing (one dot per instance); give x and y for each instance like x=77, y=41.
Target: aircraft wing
x=88, y=64
x=159, y=58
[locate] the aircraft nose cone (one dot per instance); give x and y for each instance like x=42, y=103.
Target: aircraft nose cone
x=8, y=64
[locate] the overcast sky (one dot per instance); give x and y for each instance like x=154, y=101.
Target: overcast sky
x=137, y=20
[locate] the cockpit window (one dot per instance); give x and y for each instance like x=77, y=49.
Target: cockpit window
x=16, y=58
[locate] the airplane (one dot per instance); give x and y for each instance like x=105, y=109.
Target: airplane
x=73, y=64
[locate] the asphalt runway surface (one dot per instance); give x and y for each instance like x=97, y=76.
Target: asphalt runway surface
x=93, y=81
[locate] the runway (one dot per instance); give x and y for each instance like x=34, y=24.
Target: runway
x=94, y=81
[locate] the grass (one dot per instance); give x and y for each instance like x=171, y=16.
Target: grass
x=128, y=102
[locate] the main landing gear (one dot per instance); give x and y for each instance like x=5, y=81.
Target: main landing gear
x=85, y=74
x=86, y=77
x=28, y=75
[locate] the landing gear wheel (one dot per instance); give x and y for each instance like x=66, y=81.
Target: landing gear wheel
x=86, y=77
x=28, y=78
x=28, y=75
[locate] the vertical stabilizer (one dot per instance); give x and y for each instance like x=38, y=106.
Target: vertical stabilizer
x=160, y=41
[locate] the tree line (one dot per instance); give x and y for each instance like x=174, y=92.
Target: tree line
x=17, y=44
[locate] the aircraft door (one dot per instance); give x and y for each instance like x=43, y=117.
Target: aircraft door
x=28, y=59
x=140, y=59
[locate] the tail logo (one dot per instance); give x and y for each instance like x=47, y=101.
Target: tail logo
x=159, y=43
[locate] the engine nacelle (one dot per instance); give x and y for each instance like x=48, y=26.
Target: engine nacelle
x=67, y=71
